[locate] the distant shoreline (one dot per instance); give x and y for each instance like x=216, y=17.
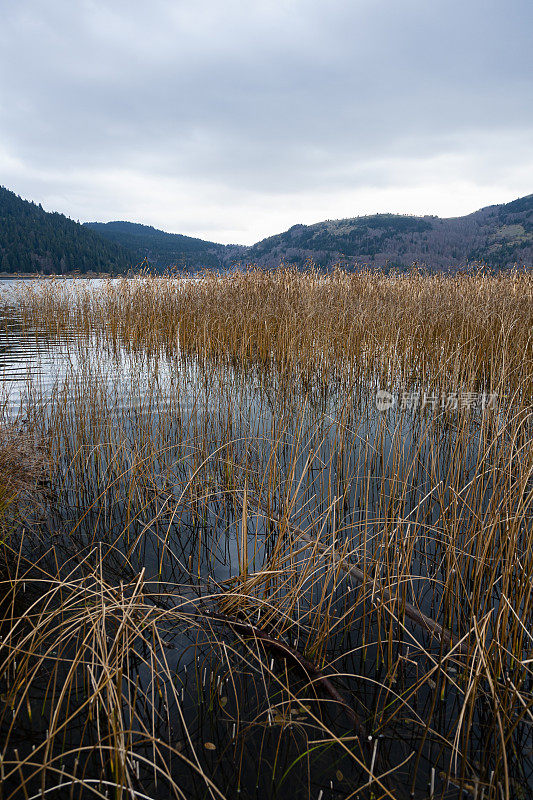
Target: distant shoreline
x=19, y=275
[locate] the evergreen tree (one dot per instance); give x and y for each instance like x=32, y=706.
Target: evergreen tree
x=33, y=240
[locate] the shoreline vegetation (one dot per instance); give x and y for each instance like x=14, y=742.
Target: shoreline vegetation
x=145, y=270
x=239, y=577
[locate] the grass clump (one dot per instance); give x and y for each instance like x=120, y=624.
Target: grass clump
x=21, y=476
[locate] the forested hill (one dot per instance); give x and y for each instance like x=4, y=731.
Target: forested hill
x=163, y=249
x=499, y=235
x=33, y=240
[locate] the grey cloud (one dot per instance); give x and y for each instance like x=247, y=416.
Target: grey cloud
x=288, y=96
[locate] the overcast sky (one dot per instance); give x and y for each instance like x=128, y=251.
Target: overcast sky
x=235, y=119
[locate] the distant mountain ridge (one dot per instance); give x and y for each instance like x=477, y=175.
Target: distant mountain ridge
x=36, y=241
x=33, y=240
x=164, y=250
x=498, y=235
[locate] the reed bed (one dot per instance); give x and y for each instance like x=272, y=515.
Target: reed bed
x=248, y=581
x=463, y=329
